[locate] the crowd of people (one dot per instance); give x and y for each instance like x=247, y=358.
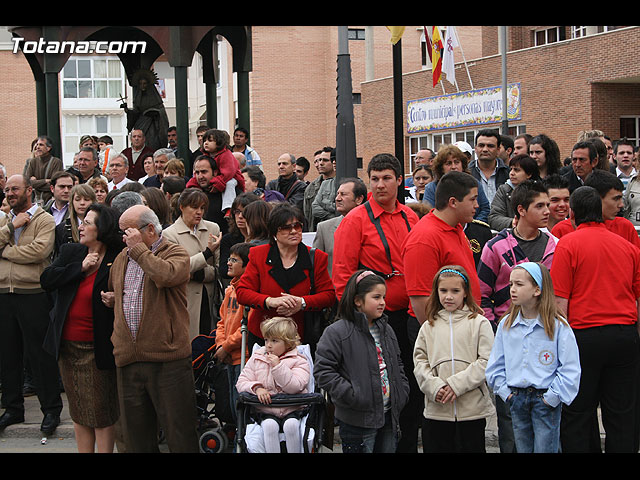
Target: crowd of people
x=496, y=279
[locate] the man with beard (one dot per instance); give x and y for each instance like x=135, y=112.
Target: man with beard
x=204, y=169
x=26, y=243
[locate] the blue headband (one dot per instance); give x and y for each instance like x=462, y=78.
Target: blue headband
x=534, y=270
x=451, y=270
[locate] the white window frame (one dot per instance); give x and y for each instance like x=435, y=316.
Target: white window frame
x=579, y=31
x=72, y=131
x=93, y=78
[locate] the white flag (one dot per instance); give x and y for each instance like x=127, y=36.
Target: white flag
x=448, y=64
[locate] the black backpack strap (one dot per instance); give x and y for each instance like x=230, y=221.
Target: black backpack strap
x=312, y=277
x=383, y=238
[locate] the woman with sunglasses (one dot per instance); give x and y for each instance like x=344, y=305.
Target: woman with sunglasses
x=277, y=279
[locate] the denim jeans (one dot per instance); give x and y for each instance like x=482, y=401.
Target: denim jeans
x=536, y=425
x=368, y=440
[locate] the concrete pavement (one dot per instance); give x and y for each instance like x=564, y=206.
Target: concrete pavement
x=27, y=438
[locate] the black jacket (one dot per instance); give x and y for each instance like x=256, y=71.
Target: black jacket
x=346, y=366
x=62, y=278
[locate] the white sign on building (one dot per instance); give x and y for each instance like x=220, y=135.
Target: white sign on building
x=463, y=109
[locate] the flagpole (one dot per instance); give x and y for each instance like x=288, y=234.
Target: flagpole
x=398, y=111
x=503, y=47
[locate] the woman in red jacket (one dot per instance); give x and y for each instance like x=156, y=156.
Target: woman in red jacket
x=276, y=281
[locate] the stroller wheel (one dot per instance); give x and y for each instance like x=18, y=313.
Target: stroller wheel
x=213, y=441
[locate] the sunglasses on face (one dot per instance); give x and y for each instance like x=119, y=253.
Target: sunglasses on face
x=290, y=227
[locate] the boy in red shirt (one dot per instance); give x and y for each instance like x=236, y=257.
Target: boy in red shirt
x=438, y=239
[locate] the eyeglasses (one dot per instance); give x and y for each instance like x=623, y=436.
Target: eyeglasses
x=233, y=260
x=290, y=227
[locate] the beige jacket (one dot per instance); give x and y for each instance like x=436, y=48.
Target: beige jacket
x=195, y=244
x=454, y=351
x=22, y=264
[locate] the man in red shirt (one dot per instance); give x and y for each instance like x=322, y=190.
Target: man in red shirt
x=370, y=236
x=600, y=294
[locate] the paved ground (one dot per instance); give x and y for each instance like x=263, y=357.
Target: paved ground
x=27, y=438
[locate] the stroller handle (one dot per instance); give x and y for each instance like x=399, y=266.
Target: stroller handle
x=282, y=399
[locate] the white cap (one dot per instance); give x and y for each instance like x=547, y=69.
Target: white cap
x=464, y=146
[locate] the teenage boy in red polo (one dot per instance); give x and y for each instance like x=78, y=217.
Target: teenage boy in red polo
x=600, y=294
x=438, y=239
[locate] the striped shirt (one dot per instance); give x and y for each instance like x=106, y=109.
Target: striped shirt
x=132, y=292
x=384, y=374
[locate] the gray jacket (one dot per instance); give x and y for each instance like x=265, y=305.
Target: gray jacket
x=346, y=366
x=502, y=213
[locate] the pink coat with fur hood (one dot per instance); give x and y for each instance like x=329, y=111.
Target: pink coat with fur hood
x=290, y=376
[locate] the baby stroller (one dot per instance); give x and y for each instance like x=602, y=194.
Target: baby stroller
x=249, y=432
x=215, y=422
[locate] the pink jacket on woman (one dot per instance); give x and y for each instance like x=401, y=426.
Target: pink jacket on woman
x=290, y=376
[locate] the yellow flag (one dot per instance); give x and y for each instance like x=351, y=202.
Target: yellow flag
x=396, y=33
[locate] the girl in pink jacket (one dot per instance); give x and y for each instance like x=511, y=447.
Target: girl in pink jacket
x=277, y=367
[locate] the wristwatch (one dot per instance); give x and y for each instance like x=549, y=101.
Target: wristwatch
x=304, y=304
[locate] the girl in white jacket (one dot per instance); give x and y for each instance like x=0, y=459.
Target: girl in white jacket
x=450, y=356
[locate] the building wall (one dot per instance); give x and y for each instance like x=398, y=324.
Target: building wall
x=18, y=125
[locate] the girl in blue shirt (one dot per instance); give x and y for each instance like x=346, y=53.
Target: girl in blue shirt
x=534, y=364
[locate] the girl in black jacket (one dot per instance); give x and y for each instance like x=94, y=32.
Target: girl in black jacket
x=358, y=363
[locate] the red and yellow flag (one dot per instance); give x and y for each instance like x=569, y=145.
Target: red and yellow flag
x=437, y=49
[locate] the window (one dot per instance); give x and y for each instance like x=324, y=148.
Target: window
x=548, y=35
x=92, y=78
x=582, y=31
x=355, y=33
x=577, y=32
x=75, y=126
x=630, y=128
